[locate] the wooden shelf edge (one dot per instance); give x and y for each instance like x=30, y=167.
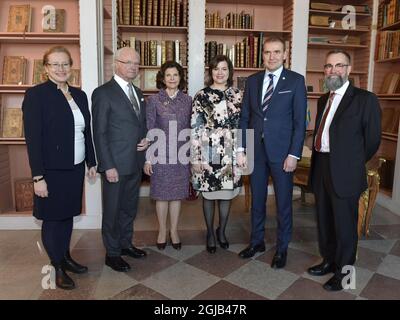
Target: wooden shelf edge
x=155, y=67
x=228, y=31
x=338, y=13
x=389, y=136
x=392, y=26
x=395, y=96
x=322, y=71
x=144, y=29
x=12, y=141
x=396, y=59
x=336, y=45
x=335, y=30
x=13, y=213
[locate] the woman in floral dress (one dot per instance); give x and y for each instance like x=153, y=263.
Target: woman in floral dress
x=215, y=120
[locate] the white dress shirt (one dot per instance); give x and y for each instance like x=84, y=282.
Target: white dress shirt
x=277, y=74
x=339, y=93
x=124, y=86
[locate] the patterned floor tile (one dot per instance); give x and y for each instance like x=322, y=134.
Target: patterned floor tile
x=390, y=267
x=369, y=259
x=377, y=245
x=181, y=281
x=186, y=252
x=90, y=240
x=223, y=290
x=139, y=292
x=94, y=259
x=382, y=216
x=396, y=249
x=388, y=232
x=220, y=264
x=259, y=278
x=308, y=247
x=85, y=285
x=304, y=234
x=381, y=287
x=111, y=283
x=305, y=289
x=297, y=261
x=148, y=266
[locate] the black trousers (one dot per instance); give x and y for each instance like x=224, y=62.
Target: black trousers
x=336, y=217
x=56, y=238
x=120, y=203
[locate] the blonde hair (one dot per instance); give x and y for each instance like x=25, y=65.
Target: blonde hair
x=54, y=50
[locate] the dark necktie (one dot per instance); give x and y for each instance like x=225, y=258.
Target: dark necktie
x=268, y=93
x=318, y=138
x=133, y=100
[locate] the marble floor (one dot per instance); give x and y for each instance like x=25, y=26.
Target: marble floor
x=192, y=273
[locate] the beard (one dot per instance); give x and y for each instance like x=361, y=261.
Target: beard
x=334, y=82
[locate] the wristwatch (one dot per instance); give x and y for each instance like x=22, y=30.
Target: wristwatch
x=38, y=179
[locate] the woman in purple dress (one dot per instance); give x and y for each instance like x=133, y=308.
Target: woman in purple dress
x=169, y=111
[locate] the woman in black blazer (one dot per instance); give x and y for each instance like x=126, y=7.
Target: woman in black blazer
x=59, y=141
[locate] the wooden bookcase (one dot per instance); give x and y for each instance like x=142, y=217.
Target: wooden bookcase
x=157, y=32
x=14, y=163
x=360, y=53
x=281, y=25
x=386, y=62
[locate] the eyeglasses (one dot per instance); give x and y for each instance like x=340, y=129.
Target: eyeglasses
x=59, y=66
x=128, y=63
x=338, y=66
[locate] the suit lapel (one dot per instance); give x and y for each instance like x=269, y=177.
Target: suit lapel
x=346, y=100
x=260, y=82
x=279, y=84
x=123, y=97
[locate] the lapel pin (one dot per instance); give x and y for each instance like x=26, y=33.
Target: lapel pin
x=142, y=99
x=283, y=78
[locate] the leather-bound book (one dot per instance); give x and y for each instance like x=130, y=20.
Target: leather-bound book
x=24, y=194
x=14, y=69
x=19, y=18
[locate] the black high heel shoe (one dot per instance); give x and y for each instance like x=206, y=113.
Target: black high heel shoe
x=223, y=245
x=210, y=249
x=176, y=246
x=161, y=246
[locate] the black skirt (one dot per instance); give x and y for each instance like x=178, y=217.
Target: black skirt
x=65, y=194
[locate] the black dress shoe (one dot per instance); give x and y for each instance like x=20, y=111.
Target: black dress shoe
x=321, y=269
x=334, y=283
x=161, y=246
x=63, y=281
x=279, y=260
x=117, y=263
x=251, y=251
x=223, y=245
x=133, y=252
x=211, y=249
x=70, y=265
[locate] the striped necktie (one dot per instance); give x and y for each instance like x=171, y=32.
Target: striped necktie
x=318, y=138
x=268, y=93
x=133, y=100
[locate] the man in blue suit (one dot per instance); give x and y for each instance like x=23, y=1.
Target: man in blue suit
x=274, y=106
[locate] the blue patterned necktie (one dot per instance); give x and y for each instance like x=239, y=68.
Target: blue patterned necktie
x=268, y=93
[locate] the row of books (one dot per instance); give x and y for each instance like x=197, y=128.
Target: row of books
x=230, y=21
x=156, y=52
x=391, y=83
x=388, y=13
x=19, y=18
x=387, y=45
x=15, y=67
x=327, y=21
x=244, y=54
x=172, y=13
x=323, y=6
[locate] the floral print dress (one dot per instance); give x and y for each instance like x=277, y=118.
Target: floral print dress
x=214, y=123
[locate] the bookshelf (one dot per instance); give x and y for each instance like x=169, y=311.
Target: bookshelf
x=247, y=42
x=32, y=44
x=387, y=58
x=325, y=26
x=157, y=30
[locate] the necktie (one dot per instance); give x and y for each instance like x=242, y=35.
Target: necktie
x=268, y=93
x=133, y=100
x=318, y=138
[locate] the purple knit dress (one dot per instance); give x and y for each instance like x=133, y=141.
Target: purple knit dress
x=169, y=181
